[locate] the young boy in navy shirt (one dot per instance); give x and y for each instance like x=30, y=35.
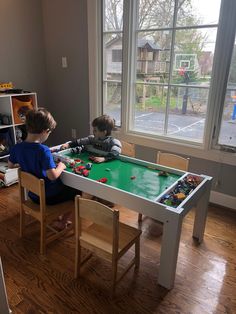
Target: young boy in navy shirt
x=36, y=158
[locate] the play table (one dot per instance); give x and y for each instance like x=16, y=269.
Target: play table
x=137, y=185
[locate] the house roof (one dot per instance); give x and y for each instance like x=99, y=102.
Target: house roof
x=142, y=43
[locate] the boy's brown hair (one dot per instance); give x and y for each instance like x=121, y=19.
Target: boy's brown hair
x=104, y=123
x=39, y=120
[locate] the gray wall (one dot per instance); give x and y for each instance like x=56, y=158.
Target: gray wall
x=65, y=33
x=22, y=54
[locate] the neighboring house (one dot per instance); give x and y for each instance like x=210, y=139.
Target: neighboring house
x=151, y=59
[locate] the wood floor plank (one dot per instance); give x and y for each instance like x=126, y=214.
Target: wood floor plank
x=205, y=278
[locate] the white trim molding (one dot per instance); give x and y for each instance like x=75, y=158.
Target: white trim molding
x=223, y=200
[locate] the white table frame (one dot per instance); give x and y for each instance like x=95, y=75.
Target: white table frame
x=171, y=218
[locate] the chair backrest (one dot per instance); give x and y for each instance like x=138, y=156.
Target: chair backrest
x=31, y=183
x=99, y=214
x=128, y=149
x=96, y=212
x=173, y=161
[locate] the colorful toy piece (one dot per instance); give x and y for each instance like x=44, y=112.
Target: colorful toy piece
x=163, y=174
x=55, y=150
x=102, y=180
x=88, y=166
x=85, y=173
x=77, y=171
x=91, y=158
x=76, y=150
x=183, y=188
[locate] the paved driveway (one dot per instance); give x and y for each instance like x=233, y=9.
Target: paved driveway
x=179, y=125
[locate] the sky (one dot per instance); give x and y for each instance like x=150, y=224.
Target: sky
x=208, y=10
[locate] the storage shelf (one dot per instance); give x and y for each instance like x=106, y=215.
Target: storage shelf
x=13, y=108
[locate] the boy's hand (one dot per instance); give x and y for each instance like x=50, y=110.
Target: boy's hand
x=98, y=159
x=61, y=165
x=64, y=146
x=54, y=173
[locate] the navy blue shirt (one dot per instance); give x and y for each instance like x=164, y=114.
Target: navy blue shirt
x=36, y=159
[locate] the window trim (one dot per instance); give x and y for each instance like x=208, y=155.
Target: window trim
x=209, y=150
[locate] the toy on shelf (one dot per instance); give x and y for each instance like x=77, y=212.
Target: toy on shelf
x=5, y=86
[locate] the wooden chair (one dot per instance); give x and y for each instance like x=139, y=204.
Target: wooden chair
x=173, y=161
x=170, y=160
x=106, y=236
x=128, y=149
x=43, y=213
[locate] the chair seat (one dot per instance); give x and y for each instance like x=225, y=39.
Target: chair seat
x=102, y=238
x=50, y=210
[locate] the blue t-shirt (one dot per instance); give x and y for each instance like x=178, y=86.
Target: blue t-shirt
x=36, y=159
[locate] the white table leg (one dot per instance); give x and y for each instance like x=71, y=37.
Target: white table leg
x=201, y=214
x=169, y=250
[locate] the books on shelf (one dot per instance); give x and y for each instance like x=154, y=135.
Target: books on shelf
x=7, y=176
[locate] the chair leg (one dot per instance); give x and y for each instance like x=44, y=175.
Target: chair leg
x=42, y=237
x=139, y=217
x=137, y=253
x=114, y=275
x=22, y=222
x=77, y=259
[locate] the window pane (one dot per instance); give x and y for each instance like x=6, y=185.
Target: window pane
x=149, y=109
x=228, y=124
x=187, y=111
x=112, y=57
x=198, y=12
x=155, y=14
x=113, y=19
x=193, y=57
x=112, y=100
x=153, y=56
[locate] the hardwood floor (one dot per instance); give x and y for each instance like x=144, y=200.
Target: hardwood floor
x=205, y=279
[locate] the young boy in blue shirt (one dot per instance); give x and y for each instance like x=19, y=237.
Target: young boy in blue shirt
x=101, y=143
x=34, y=157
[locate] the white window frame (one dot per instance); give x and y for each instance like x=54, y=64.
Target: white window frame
x=222, y=57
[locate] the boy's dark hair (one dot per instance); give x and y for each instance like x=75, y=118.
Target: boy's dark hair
x=104, y=123
x=39, y=120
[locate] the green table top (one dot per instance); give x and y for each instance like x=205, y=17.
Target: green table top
x=146, y=183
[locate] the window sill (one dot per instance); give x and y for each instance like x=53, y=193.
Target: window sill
x=189, y=150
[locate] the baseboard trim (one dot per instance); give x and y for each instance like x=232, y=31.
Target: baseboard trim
x=223, y=200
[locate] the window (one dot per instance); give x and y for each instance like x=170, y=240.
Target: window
x=169, y=84
x=227, y=136
x=116, y=55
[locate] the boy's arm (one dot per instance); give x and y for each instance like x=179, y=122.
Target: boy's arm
x=78, y=142
x=114, y=152
x=55, y=173
x=115, y=149
x=81, y=141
